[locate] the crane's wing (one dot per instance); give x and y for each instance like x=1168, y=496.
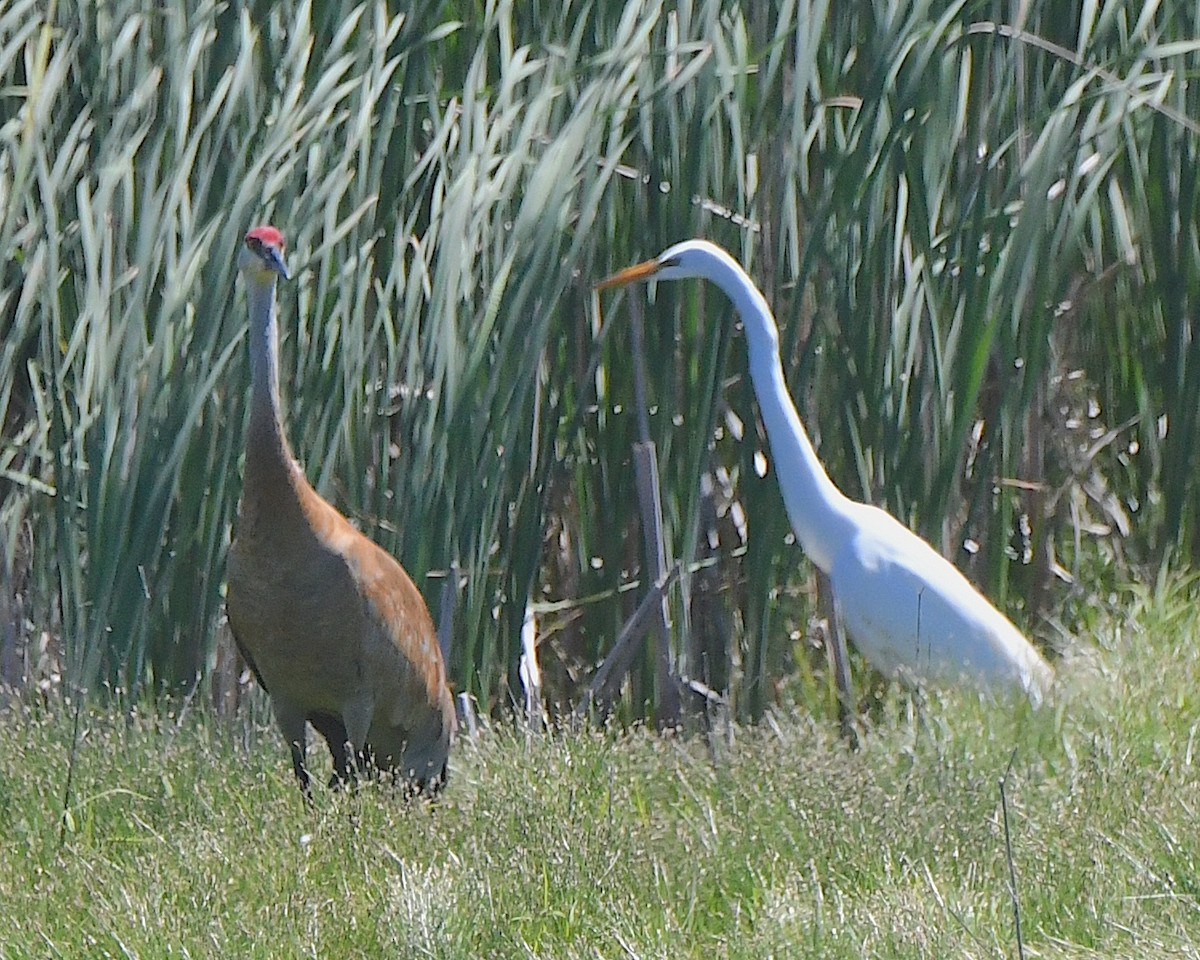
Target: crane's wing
x=241, y=648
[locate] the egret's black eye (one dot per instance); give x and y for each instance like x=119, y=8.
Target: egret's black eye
x=671, y=262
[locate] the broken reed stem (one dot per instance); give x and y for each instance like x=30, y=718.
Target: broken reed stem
x=612, y=671
x=469, y=719
x=447, y=604
x=66, y=802
x=645, y=462
x=646, y=470
x=840, y=657
x=1012, y=868
x=530, y=673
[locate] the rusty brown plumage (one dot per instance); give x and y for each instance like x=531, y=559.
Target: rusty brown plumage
x=332, y=626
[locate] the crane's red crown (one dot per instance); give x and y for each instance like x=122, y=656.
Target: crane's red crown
x=268, y=235
x=263, y=254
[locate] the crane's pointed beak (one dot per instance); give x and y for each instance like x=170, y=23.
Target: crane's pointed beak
x=274, y=260
x=639, y=271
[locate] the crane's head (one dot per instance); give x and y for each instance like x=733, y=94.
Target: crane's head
x=691, y=258
x=261, y=259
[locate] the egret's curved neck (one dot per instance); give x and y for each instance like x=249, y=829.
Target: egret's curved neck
x=266, y=446
x=817, y=509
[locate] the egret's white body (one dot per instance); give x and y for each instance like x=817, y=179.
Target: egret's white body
x=907, y=609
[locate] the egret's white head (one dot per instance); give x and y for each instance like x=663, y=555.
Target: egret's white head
x=261, y=258
x=691, y=258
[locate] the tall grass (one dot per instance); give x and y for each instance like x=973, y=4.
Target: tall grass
x=978, y=236
x=187, y=834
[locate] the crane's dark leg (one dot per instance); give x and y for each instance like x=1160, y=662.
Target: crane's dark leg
x=330, y=726
x=356, y=723
x=435, y=783
x=291, y=724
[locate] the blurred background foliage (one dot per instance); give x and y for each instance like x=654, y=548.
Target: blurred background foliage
x=976, y=222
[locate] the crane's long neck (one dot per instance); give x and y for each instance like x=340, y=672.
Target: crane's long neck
x=268, y=457
x=817, y=509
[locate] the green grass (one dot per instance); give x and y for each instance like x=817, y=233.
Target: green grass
x=187, y=837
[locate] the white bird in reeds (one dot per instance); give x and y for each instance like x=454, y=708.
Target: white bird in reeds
x=332, y=626
x=907, y=609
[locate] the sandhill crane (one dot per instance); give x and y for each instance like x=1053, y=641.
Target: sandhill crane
x=331, y=625
x=908, y=610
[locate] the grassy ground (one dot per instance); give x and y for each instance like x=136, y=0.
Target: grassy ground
x=188, y=839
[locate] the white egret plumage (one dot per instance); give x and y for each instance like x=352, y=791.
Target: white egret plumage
x=906, y=608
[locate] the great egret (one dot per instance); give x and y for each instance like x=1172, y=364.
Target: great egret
x=908, y=610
